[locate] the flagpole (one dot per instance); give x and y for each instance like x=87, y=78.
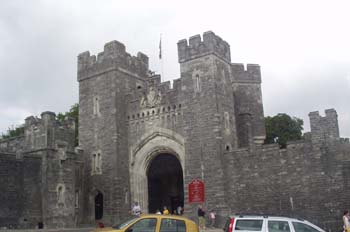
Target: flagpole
x=161, y=57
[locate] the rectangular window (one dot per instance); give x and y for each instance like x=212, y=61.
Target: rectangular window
x=96, y=106
x=302, y=227
x=278, y=226
x=144, y=225
x=172, y=225
x=77, y=199
x=93, y=164
x=250, y=225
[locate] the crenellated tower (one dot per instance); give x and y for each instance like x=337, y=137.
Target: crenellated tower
x=104, y=83
x=208, y=112
x=249, y=111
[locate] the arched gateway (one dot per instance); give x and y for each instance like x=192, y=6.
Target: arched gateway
x=165, y=183
x=157, y=167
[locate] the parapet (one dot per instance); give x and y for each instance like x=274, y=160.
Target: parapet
x=324, y=127
x=113, y=56
x=211, y=44
x=251, y=74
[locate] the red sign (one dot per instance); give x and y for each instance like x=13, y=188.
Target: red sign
x=196, y=191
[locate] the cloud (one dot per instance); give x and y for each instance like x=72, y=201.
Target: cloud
x=304, y=56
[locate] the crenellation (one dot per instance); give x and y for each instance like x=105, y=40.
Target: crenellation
x=31, y=120
x=113, y=57
x=100, y=57
x=250, y=74
x=324, y=127
x=114, y=49
x=143, y=58
x=48, y=117
x=211, y=44
x=164, y=87
x=177, y=84
x=195, y=41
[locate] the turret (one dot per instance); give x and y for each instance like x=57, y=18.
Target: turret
x=324, y=127
x=211, y=44
x=114, y=56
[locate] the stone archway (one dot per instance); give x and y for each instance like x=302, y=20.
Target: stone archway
x=157, y=142
x=165, y=183
x=96, y=205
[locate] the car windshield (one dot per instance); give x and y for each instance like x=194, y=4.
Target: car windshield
x=125, y=223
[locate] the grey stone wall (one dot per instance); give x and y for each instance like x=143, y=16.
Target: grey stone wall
x=12, y=145
x=11, y=183
x=32, y=167
x=20, y=199
x=305, y=180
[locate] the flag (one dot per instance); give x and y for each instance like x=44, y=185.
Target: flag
x=160, y=47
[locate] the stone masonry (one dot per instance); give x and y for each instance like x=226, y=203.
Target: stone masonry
x=211, y=120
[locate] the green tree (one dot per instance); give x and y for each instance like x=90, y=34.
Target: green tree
x=72, y=113
x=14, y=132
x=282, y=128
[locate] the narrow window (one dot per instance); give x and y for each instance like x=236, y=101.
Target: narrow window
x=227, y=121
x=197, y=87
x=76, y=199
x=60, y=195
x=96, y=106
x=93, y=164
x=98, y=163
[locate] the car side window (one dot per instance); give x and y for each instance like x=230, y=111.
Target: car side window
x=172, y=225
x=302, y=227
x=144, y=225
x=251, y=225
x=278, y=226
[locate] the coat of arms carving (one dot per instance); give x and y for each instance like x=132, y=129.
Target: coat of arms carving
x=152, y=99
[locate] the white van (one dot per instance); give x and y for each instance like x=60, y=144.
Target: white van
x=242, y=223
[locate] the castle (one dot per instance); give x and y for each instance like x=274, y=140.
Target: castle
x=141, y=140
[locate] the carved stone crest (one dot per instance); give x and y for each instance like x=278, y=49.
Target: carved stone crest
x=152, y=99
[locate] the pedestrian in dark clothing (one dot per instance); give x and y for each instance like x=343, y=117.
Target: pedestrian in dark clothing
x=201, y=217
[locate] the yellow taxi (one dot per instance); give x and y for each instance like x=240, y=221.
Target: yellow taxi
x=153, y=223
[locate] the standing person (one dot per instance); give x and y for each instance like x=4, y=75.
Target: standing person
x=346, y=221
x=201, y=218
x=158, y=211
x=165, y=211
x=178, y=210
x=212, y=218
x=136, y=210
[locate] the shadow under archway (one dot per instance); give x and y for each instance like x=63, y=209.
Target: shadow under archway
x=165, y=183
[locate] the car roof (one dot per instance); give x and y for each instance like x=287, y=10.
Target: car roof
x=164, y=216
x=265, y=216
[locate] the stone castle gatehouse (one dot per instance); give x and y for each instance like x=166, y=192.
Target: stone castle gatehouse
x=141, y=140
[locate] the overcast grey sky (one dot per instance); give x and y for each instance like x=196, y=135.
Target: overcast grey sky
x=303, y=48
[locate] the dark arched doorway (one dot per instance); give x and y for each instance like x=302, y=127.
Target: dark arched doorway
x=98, y=206
x=165, y=183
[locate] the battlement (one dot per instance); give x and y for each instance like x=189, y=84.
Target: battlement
x=324, y=127
x=113, y=56
x=250, y=74
x=211, y=44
